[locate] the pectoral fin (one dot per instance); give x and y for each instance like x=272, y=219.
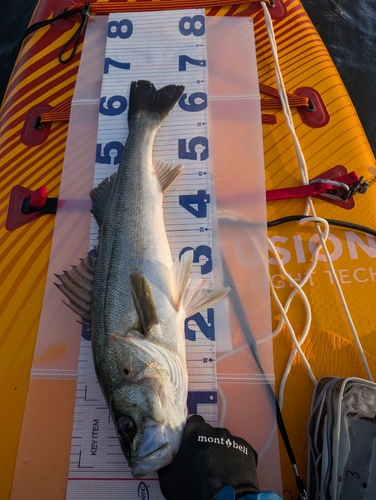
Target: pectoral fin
x=144, y=302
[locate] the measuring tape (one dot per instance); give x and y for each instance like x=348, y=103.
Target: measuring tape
x=164, y=48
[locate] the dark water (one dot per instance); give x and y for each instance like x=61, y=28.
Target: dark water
x=348, y=28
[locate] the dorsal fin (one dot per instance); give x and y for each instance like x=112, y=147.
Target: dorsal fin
x=77, y=284
x=144, y=302
x=166, y=173
x=180, y=273
x=100, y=196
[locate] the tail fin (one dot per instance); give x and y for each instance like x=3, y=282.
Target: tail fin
x=145, y=97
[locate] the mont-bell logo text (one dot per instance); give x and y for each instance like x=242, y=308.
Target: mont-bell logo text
x=143, y=491
x=224, y=442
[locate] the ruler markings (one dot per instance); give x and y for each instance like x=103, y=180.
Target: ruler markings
x=154, y=51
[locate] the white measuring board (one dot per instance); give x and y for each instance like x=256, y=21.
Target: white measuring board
x=164, y=48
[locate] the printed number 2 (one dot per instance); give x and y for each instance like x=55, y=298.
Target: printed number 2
x=206, y=327
x=188, y=25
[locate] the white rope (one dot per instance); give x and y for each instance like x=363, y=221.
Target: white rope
x=298, y=289
x=305, y=180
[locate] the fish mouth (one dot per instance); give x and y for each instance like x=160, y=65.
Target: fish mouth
x=158, y=447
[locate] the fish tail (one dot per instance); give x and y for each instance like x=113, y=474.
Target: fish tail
x=144, y=97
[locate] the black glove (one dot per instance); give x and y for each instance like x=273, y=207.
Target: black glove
x=208, y=459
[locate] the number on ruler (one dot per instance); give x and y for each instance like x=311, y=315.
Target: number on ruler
x=105, y=157
x=116, y=29
x=192, y=104
x=183, y=60
x=201, y=199
x=200, y=397
x=188, y=25
x=201, y=251
x=191, y=154
x=206, y=327
x=110, y=109
x=111, y=62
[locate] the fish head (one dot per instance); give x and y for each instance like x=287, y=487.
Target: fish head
x=148, y=401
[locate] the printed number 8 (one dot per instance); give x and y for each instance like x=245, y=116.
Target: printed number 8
x=192, y=29
x=115, y=29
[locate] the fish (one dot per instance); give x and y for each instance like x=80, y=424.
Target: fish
x=134, y=297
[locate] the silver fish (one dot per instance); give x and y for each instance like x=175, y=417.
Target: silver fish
x=132, y=295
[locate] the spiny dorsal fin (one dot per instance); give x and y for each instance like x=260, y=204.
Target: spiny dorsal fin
x=144, y=302
x=100, y=196
x=75, y=275
x=143, y=96
x=166, y=173
x=76, y=285
x=180, y=273
x=76, y=300
x=85, y=317
x=199, y=298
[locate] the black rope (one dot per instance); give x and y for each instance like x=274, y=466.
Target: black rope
x=66, y=14
x=243, y=322
x=332, y=222
x=296, y=218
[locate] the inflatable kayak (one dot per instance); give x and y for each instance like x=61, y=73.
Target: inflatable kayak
x=319, y=171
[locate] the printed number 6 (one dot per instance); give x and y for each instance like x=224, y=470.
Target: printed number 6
x=196, y=102
x=188, y=25
x=116, y=105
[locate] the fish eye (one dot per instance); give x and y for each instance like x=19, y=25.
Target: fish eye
x=126, y=427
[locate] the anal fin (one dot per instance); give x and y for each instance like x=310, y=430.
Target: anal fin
x=180, y=276
x=199, y=298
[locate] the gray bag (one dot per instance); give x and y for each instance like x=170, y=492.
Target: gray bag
x=342, y=440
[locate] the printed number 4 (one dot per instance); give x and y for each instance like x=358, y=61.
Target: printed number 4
x=201, y=199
